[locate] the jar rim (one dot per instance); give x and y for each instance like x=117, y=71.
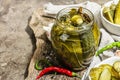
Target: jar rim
x=75, y=7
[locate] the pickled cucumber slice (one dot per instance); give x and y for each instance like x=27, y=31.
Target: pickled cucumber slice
x=105, y=75
x=107, y=14
x=112, y=8
x=113, y=78
x=116, y=66
x=117, y=14
x=111, y=69
x=72, y=12
x=95, y=73
x=77, y=20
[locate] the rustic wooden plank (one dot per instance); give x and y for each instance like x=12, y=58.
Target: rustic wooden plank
x=43, y=46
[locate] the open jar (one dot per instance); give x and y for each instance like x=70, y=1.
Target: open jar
x=75, y=37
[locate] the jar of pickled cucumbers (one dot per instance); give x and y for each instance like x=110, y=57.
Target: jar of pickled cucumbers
x=75, y=37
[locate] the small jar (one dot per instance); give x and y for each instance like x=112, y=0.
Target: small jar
x=74, y=46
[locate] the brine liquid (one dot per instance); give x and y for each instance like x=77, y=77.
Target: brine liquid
x=75, y=49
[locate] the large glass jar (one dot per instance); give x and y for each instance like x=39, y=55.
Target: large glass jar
x=74, y=46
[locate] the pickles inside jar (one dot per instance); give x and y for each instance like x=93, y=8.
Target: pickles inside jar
x=74, y=37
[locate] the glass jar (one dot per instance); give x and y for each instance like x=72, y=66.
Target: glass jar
x=74, y=46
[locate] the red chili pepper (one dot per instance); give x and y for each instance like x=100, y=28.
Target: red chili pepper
x=57, y=69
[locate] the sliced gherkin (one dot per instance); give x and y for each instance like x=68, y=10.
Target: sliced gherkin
x=95, y=73
x=96, y=34
x=113, y=78
x=111, y=69
x=77, y=20
x=116, y=66
x=72, y=12
x=112, y=8
x=117, y=14
x=107, y=14
x=105, y=75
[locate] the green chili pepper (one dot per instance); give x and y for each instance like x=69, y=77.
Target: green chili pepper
x=43, y=63
x=37, y=67
x=109, y=46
